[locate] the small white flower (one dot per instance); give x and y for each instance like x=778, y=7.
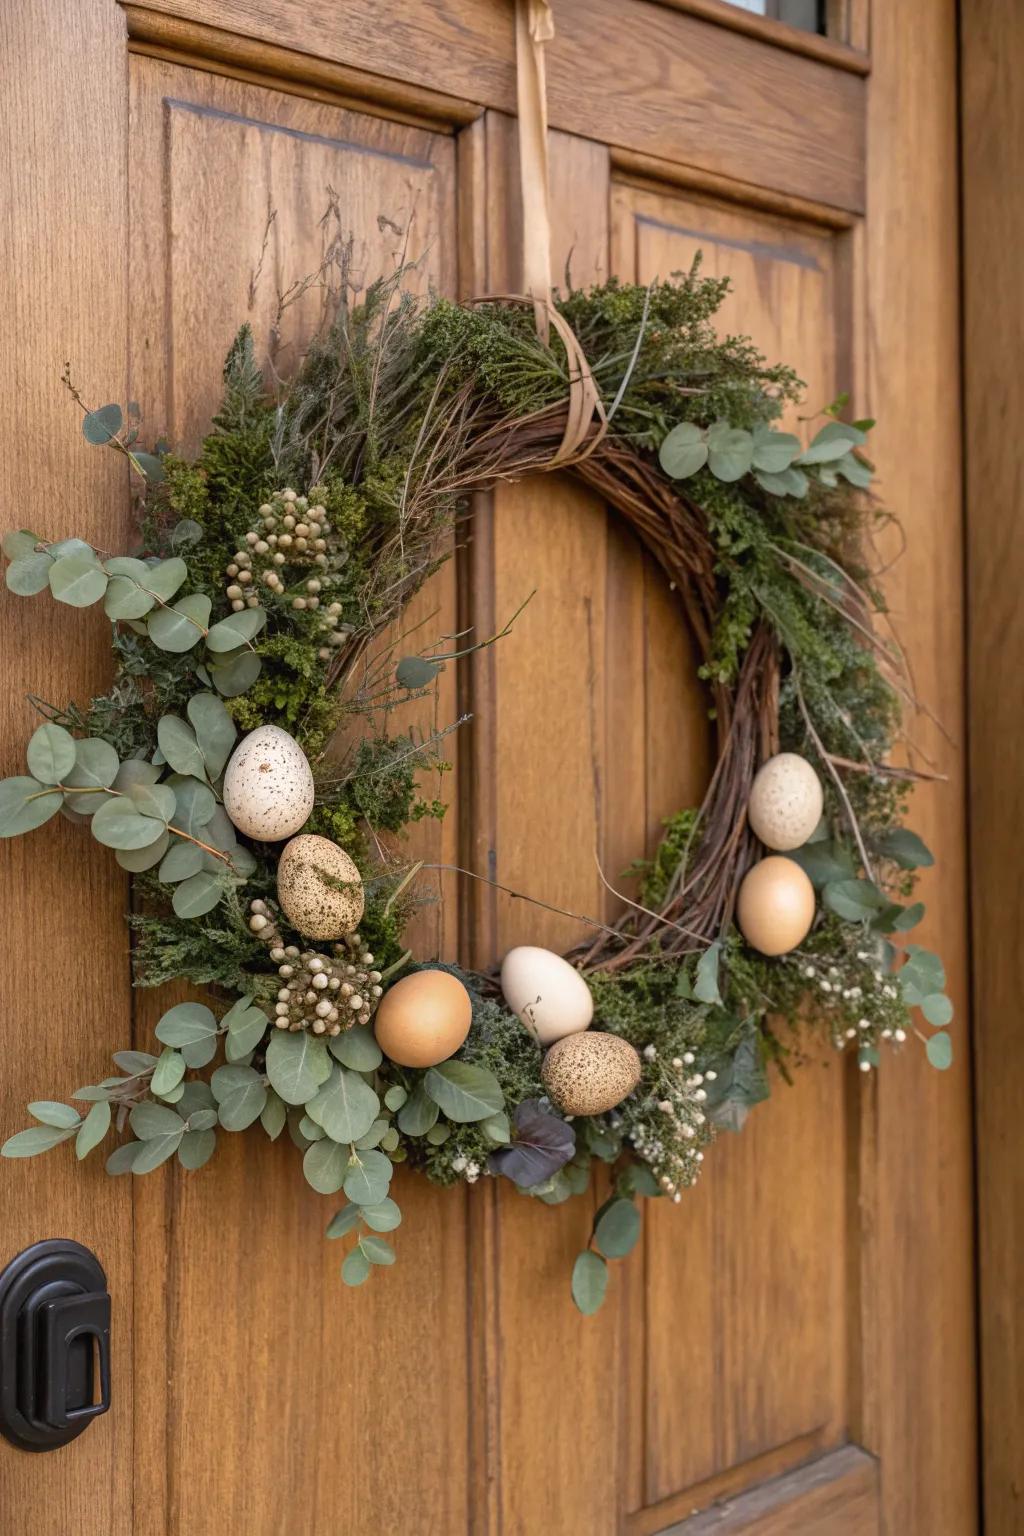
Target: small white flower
x=710, y=1076
x=810, y=971
x=865, y=1066
x=688, y=1058
x=649, y=1053
x=458, y=1164
x=900, y=1035
x=826, y=986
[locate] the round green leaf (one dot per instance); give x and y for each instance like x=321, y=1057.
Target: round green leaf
x=96, y=766
x=774, y=452
x=617, y=1228
x=377, y=1250
x=185, y=1024
x=19, y=542
x=77, y=580
x=418, y=1114
x=357, y=1048
x=50, y=753
x=940, y=1051
x=156, y=800
x=177, y=629
x=168, y=1072
x=324, y=1165
x=138, y=860
x=384, y=1217
x=26, y=804
x=356, y=1268
x=215, y=731
x=126, y=599
x=197, y=1147
x=395, y=1096
x=274, y=1115
x=197, y=895
x=241, y=1094
x=344, y=1222
x=683, y=451
x=297, y=1064
x=29, y=574
x=345, y=1106
x=237, y=629
x=122, y=1159
x=368, y=1178
x=181, y=861
x=730, y=454
x=195, y=809
x=117, y=824
x=148, y=1120
x=589, y=1281
x=415, y=672
x=101, y=425
x=236, y=673
x=938, y=1010
x=161, y=580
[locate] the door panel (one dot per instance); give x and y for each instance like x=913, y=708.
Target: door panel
x=815, y=1289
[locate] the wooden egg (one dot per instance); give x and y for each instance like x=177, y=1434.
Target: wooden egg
x=775, y=906
x=549, y=995
x=312, y=904
x=423, y=1019
x=588, y=1073
x=785, y=802
x=268, y=785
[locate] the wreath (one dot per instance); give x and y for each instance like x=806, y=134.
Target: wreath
x=264, y=841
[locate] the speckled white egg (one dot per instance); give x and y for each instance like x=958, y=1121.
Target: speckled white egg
x=319, y=888
x=785, y=802
x=549, y=995
x=268, y=785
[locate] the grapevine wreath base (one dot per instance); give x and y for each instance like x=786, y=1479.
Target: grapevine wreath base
x=265, y=842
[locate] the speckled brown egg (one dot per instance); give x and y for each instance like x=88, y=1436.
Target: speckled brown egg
x=268, y=785
x=785, y=802
x=587, y=1073
x=308, y=888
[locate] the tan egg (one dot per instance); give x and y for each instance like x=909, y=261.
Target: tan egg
x=268, y=785
x=587, y=1073
x=309, y=898
x=785, y=802
x=775, y=906
x=549, y=995
x=423, y=1019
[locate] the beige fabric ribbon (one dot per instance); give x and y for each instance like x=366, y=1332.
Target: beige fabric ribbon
x=535, y=25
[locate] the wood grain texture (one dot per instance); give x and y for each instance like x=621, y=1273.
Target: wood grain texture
x=834, y=49
x=62, y=895
x=211, y=156
x=622, y=72
x=837, y=1495
x=920, y=1375
x=992, y=126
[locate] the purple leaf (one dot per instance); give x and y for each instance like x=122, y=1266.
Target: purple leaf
x=541, y=1144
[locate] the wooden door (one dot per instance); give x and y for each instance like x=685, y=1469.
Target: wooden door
x=796, y=1338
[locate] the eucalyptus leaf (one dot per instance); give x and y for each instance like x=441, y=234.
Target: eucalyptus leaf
x=96, y=767
x=197, y=895
x=368, y=1178
x=705, y=986
x=357, y=1048
x=50, y=753
x=241, y=1094
x=26, y=804
x=345, y=1106
x=416, y=672
x=464, y=1092
x=377, y=1250
x=297, y=1065
x=774, y=452
x=418, y=1113
x=156, y=800
x=236, y=673
x=122, y=1159
x=133, y=772
x=937, y=1009
x=180, y=861
x=117, y=824
x=47, y=1112
x=77, y=581
x=126, y=599
x=237, y=629
x=939, y=1051
x=344, y=1221
x=157, y=1149
x=324, y=1165
x=19, y=542
x=163, y=579
x=374, y=1137
x=730, y=455
x=196, y=1148
x=854, y=900
x=93, y=1129
x=246, y=1025
x=356, y=1267
x=274, y=1115
x=178, y=628
x=29, y=574
x=38, y=1138
x=186, y=1023
x=617, y=1228
x=215, y=731
x=589, y=1281
x=177, y=742
x=384, y=1217
x=168, y=1072
x=901, y=845
x=823, y=862
x=195, y=807
x=683, y=451
x=103, y=424
x=395, y=1096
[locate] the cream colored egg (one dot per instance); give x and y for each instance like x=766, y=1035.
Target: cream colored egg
x=785, y=802
x=268, y=785
x=423, y=1019
x=588, y=1073
x=549, y=995
x=319, y=888
x=775, y=906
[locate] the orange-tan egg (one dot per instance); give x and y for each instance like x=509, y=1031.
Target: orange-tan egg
x=775, y=906
x=423, y=1019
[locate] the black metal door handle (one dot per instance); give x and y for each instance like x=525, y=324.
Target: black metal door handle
x=54, y=1344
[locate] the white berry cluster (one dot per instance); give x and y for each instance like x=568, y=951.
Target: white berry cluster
x=859, y=999
x=289, y=557
x=670, y=1141
x=322, y=993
